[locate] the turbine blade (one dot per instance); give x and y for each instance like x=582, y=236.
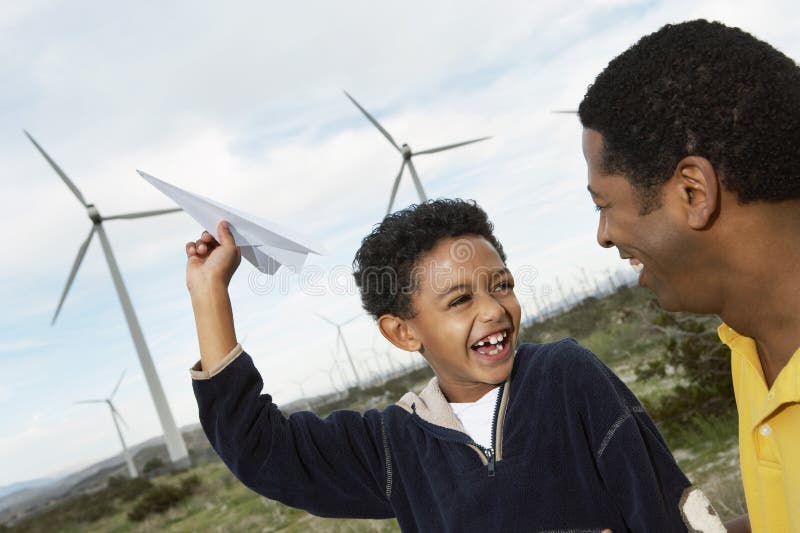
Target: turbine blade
x=396, y=186
x=449, y=146
x=117, y=385
x=350, y=320
x=58, y=170
x=143, y=214
x=114, y=412
x=374, y=122
x=75, y=265
x=418, y=184
x=565, y=112
x=331, y=322
x=90, y=401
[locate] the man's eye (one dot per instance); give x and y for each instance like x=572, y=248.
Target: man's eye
x=460, y=300
x=504, y=286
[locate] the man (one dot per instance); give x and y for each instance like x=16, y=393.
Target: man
x=692, y=141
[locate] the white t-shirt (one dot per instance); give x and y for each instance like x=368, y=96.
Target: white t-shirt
x=477, y=417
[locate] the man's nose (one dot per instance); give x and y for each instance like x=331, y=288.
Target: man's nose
x=602, y=232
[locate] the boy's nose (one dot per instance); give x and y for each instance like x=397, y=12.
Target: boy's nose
x=490, y=309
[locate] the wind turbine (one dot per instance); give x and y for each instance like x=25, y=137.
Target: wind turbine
x=114, y=416
x=302, y=393
x=385, y=355
x=175, y=444
x=407, y=153
x=340, y=339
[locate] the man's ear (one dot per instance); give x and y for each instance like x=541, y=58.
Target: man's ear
x=698, y=187
x=399, y=332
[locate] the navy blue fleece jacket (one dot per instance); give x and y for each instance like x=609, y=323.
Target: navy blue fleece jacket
x=573, y=451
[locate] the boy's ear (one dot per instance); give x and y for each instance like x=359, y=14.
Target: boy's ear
x=399, y=332
x=698, y=188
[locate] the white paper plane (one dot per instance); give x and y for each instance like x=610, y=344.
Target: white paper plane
x=265, y=244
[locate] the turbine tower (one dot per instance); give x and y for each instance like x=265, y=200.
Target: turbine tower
x=175, y=444
x=407, y=153
x=340, y=339
x=114, y=416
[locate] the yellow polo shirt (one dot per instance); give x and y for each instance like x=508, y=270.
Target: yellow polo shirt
x=769, y=436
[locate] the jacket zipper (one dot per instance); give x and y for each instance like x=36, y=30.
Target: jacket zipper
x=463, y=438
x=491, y=457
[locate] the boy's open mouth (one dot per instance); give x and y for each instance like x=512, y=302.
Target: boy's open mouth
x=492, y=344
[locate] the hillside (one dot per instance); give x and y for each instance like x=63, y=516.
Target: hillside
x=626, y=329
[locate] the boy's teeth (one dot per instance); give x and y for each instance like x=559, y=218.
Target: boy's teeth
x=638, y=268
x=492, y=339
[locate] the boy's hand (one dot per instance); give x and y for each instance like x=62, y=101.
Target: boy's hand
x=209, y=268
x=210, y=262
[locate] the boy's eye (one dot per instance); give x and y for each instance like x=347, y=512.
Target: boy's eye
x=598, y=207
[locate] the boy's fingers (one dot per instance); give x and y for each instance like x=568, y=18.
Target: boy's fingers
x=225, y=235
x=207, y=237
x=190, y=250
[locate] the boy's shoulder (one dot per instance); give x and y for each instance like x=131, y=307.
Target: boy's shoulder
x=562, y=355
x=564, y=364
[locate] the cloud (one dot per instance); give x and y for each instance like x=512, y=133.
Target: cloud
x=244, y=104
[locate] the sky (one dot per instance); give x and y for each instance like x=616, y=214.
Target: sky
x=243, y=103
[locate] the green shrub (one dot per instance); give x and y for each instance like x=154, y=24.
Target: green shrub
x=159, y=498
x=153, y=464
x=691, y=352
x=127, y=489
x=190, y=484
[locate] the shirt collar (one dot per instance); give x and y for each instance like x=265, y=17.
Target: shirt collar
x=787, y=385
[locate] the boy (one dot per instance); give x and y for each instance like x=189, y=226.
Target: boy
x=691, y=139
x=506, y=437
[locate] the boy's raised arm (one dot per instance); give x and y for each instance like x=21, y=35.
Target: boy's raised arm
x=209, y=269
x=331, y=467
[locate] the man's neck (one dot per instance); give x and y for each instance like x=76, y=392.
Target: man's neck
x=763, y=288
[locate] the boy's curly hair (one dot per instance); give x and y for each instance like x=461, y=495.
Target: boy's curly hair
x=706, y=89
x=383, y=265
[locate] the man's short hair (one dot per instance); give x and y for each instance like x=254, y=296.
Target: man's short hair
x=384, y=264
x=706, y=89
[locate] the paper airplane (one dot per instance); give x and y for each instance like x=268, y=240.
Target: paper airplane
x=265, y=244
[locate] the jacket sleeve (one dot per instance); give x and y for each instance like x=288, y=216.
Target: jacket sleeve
x=330, y=467
x=633, y=460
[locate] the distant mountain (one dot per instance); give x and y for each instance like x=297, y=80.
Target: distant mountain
x=24, y=497
x=23, y=485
